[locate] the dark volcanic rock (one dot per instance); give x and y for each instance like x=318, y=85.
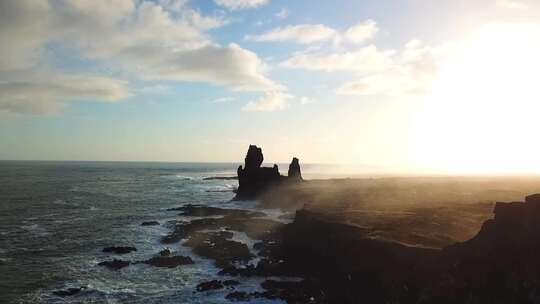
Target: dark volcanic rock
x=294, y=173
x=150, y=223
x=210, y=285
x=221, y=178
x=166, y=252
x=253, y=179
x=255, y=228
x=215, y=284
x=69, y=292
x=230, y=283
x=200, y=210
x=169, y=261
x=238, y=296
x=501, y=264
x=218, y=247
x=119, y=250
x=115, y=264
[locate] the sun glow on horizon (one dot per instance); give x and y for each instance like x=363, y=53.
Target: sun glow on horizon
x=483, y=113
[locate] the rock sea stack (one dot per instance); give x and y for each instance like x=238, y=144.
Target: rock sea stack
x=254, y=180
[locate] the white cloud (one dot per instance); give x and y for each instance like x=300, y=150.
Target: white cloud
x=304, y=100
x=411, y=73
x=364, y=60
x=302, y=33
x=241, y=4
x=314, y=33
x=270, y=102
x=23, y=29
x=362, y=32
x=283, y=13
x=49, y=94
x=222, y=100
x=163, y=40
x=511, y=4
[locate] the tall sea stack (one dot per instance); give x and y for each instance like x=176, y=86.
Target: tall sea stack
x=253, y=180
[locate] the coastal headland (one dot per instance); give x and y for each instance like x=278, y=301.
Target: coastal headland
x=389, y=240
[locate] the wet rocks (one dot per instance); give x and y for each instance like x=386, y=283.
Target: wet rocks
x=115, y=264
x=221, y=178
x=238, y=296
x=200, y=210
x=150, y=223
x=209, y=285
x=255, y=228
x=218, y=247
x=166, y=252
x=216, y=284
x=119, y=250
x=169, y=261
x=69, y=292
x=230, y=283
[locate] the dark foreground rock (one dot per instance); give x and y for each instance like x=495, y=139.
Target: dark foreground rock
x=69, y=292
x=115, y=264
x=119, y=250
x=218, y=247
x=210, y=285
x=238, y=296
x=501, y=264
x=201, y=210
x=169, y=261
x=150, y=223
x=221, y=178
x=255, y=228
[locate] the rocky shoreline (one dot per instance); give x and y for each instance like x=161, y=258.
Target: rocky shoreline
x=340, y=263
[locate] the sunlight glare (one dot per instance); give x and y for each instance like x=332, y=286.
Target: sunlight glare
x=483, y=113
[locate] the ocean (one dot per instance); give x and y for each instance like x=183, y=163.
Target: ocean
x=56, y=217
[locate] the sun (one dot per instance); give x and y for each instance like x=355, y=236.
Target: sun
x=483, y=114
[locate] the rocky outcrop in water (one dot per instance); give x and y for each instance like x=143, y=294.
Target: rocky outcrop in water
x=119, y=249
x=253, y=180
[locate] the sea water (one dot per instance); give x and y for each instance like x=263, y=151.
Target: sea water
x=56, y=217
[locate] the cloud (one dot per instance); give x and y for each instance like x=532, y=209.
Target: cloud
x=362, y=32
x=159, y=41
x=304, y=100
x=222, y=100
x=283, y=13
x=364, y=60
x=241, y=4
x=315, y=33
x=302, y=33
x=411, y=73
x=49, y=95
x=270, y=102
x=23, y=29
x=511, y=4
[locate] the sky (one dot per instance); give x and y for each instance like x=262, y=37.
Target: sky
x=447, y=86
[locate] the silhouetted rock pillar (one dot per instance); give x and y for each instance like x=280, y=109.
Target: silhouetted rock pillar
x=253, y=179
x=294, y=170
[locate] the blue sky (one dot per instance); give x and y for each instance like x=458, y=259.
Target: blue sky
x=328, y=81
